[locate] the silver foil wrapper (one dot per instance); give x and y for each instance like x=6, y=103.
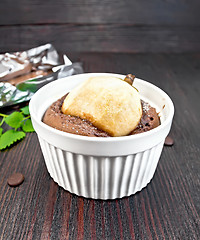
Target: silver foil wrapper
x=43, y=58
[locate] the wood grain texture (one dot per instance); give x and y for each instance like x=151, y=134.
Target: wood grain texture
x=91, y=25
x=101, y=38
x=140, y=12
x=168, y=208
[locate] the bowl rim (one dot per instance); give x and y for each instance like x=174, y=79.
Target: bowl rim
x=102, y=139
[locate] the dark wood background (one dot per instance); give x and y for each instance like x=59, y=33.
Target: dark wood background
x=168, y=208
x=108, y=25
x=121, y=36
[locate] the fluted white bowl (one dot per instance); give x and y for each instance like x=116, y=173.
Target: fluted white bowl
x=101, y=168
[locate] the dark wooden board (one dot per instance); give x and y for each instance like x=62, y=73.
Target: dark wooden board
x=140, y=12
x=101, y=38
x=168, y=208
x=91, y=25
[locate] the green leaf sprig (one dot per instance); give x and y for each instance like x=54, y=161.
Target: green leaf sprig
x=20, y=123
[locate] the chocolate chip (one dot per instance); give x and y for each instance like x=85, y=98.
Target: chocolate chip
x=169, y=141
x=15, y=179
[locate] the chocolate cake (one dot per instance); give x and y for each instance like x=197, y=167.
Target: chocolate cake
x=55, y=118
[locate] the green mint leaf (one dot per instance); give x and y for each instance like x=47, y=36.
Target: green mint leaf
x=28, y=127
x=14, y=119
x=10, y=137
x=1, y=131
x=25, y=110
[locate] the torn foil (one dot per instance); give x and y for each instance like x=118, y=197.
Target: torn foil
x=10, y=95
x=43, y=58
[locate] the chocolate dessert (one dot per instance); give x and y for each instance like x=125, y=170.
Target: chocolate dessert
x=149, y=119
x=55, y=118
x=98, y=109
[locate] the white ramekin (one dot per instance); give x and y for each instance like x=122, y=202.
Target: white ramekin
x=101, y=168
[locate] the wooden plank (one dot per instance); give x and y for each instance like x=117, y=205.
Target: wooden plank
x=101, y=38
x=168, y=208
x=140, y=12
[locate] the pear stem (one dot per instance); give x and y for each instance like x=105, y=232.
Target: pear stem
x=129, y=79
